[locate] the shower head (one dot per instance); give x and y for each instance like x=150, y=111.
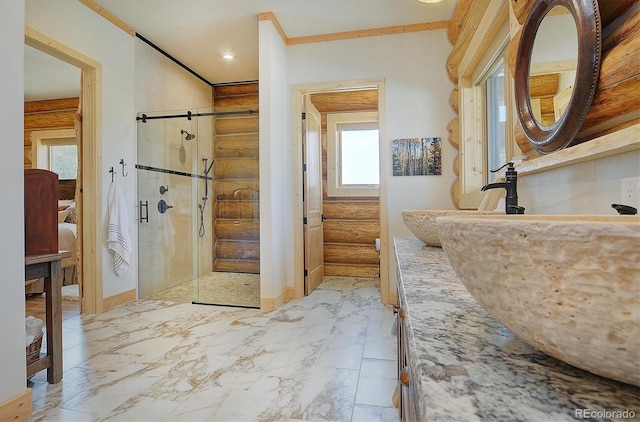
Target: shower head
x=189, y=136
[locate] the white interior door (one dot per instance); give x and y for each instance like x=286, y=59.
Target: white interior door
x=313, y=218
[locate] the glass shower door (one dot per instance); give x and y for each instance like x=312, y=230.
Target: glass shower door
x=234, y=264
x=167, y=163
x=198, y=217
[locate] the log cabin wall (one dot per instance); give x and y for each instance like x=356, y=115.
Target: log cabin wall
x=50, y=115
x=47, y=115
x=352, y=224
x=614, y=107
x=236, y=217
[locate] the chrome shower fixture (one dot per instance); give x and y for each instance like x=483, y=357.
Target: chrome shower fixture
x=189, y=136
x=205, y=198
x=206, y=169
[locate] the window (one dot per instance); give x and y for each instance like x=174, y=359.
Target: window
x=63, y=159
x=353, y=163
x=495, y=116
x=56, y=150
x=486, y=115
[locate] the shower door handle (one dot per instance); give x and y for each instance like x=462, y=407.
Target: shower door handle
x=163, y=207
x=146, y=207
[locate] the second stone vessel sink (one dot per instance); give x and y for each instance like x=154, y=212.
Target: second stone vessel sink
x=422, y=223
x=567, y=285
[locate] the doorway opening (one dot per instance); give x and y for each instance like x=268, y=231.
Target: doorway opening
x=89, y=202
x=359, y=213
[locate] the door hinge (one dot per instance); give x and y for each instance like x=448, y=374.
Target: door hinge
x=304, y=115
x=304, y=167
x=304, y=220
x=306, y=273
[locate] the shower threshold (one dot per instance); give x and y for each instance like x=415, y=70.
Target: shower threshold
x=217, y=288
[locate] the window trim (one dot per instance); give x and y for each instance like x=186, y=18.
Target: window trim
x=42, y=139
x=473, y=145
x=500, y=55
x=334, y=187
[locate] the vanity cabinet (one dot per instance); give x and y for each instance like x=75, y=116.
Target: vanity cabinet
x=407, y=394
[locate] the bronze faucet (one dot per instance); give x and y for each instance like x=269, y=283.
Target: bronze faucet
x=510, y=185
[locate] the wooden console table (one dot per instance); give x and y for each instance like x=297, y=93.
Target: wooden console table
x=48, y=266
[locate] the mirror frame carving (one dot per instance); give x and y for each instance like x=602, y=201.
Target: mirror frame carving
x=547, y=139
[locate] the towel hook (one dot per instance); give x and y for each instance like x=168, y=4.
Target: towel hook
x=112, y=171
x=122, y=163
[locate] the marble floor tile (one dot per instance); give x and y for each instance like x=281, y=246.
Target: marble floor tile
x=377, y=382
x=342, y=351
x=381, y=340
x=363, y=413
x=64, y=415
x=329, y=356
x=327, y=394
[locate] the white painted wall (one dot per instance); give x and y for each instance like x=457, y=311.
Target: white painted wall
x=12, y=347
x=161, y=85
x=584, y=188
x=417, y=105
x=276, y=167
x=80, y=28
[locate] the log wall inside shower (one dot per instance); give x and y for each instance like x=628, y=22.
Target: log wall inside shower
x=236, y=217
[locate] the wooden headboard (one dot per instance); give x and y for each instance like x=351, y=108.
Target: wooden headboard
x=67, y=189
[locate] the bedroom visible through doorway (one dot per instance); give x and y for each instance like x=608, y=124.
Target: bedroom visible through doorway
x=89, y=204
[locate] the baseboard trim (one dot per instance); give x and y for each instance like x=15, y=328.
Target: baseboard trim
x=393, y=298
x=18, y=408
x=291, y=293
x=118, y=299
x=268, y=304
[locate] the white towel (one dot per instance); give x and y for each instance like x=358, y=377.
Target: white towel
x=33, y=325
x=118, y=239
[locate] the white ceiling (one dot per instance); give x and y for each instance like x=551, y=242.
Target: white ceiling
x=199, y=32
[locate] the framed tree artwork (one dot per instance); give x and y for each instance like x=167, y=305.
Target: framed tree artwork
x=416, y=156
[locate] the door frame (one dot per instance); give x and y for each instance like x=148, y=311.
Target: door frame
x=90, y=205
x=298, y=92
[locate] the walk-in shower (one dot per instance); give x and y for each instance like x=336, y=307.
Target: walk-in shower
x=191, y=240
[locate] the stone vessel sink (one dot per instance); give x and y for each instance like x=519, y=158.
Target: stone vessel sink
x=422, y=223
x=567, y=285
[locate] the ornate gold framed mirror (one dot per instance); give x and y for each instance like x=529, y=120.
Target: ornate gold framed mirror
x=574, y=100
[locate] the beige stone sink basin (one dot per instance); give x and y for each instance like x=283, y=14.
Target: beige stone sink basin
x=567, y=285
x=422, y=223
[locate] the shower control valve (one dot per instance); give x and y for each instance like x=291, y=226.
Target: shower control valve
x=163, y=207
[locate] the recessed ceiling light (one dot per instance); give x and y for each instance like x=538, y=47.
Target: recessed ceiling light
x=429, y=1
x=227, y=56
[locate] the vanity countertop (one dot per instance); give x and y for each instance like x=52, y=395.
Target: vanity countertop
x=472, y=368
